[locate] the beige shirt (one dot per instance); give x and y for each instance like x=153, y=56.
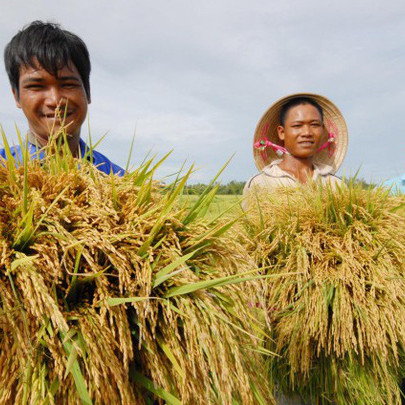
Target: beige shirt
x=273, y=177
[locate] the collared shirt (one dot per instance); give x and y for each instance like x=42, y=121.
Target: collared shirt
x=273, y=177
x=99, y=160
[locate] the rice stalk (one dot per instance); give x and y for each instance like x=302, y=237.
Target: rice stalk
x=112, y=292
x=338, y=322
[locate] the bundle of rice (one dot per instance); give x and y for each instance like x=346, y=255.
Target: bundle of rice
x=111, y=293
x=338, y=322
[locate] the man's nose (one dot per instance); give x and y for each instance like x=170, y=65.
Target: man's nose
x=54, y=98
x=307, y=129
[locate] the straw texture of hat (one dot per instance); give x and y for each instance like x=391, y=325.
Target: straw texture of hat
x=335, y=124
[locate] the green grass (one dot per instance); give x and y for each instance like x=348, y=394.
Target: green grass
x=220, y=204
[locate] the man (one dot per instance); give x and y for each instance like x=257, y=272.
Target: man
x=301, y=139
x=298, y=141
x=49, y=71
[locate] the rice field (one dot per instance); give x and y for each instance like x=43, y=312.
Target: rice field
x=226, y=205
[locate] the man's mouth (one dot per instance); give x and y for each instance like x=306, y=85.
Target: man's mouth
x=306, y=144
x=54, y=115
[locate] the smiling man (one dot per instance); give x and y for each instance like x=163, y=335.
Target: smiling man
x=301, y=138
x=49, y=72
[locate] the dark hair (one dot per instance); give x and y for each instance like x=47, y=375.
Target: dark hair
x=53, y=47
x=298, y=101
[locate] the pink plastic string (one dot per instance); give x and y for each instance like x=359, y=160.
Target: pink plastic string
x=332, y=127
x=264, y=129
x=263, y=151
x=333, y=133
x=265, y=143
x=328, y=144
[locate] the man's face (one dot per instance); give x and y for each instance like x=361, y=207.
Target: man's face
x=302, y=131
x=42, y=94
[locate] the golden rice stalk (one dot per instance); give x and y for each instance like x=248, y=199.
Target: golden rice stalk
x=110, y=292
x=338, y=322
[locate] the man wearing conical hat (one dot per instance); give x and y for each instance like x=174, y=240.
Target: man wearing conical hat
x=300, y=139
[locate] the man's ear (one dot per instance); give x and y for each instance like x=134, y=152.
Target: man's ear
x=88, y=95
x=280, y=132
x=16, y=97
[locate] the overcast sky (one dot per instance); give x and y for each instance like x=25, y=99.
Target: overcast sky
x=196, y=77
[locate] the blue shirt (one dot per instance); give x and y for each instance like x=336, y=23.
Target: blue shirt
x=397, y=184
x=99, y=160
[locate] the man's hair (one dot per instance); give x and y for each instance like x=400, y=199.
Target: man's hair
x=53, y=48
x=298, y=101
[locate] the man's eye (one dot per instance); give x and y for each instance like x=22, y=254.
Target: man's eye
x=69, y=85
x=34, y=86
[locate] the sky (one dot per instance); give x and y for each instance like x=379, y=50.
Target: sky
x=196, y=77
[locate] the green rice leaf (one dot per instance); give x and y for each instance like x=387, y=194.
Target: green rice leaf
x=170, y=356
x=71, y=360
x=112, y=302
x=195, y=209
x=22, y=261
x=165, y=273
x=218, y=282
x=76, y=372
x=160, y=392
x=10, y=161
x=130, y=152
x=53, y=389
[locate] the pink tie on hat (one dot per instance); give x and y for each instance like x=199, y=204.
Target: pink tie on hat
x=265, y=143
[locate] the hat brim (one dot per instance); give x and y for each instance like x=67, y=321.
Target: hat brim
x=334, y=123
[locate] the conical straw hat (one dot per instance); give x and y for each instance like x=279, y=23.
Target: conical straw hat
x=336, y=133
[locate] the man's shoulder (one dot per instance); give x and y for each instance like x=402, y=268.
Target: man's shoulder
x=271, y=175
x=254, y=179
x=332, y=178
x=16, y=152
x=102, y=162
x=325, y=170
x=327, y=174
